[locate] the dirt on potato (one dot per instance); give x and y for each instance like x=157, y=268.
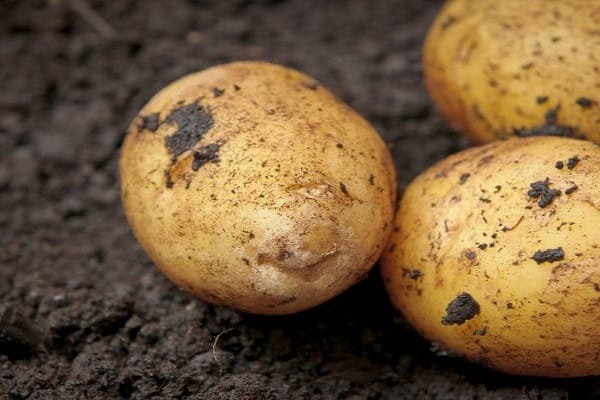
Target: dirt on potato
x=85, y=315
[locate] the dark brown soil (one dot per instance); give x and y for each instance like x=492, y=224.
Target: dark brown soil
x=85, y=315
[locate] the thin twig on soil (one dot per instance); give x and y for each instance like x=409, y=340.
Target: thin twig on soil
x=214, y=349
x=89, y=15
x=214, y=346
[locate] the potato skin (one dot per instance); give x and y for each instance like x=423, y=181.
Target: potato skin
x=511, y=67
x=252, y=186
x=475, y=260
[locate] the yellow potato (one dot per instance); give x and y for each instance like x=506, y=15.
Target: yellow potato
x=512, y=67
x=252, y=186
x=496, y=255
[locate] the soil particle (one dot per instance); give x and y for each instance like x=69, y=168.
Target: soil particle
x=541, y=190
x=205, y=154
x=218, y=92
x=149, y=122
x=549, y=255
x=193, y=122
x=584, y=102
x=559, y=165
x=571, y=189
x=414, y=274
x=461, y=309
x=343, y=188
x=550, y=128
x=572, y=162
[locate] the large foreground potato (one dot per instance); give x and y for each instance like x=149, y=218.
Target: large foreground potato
x=498, y=68
x=252, y=186
x=496, y=255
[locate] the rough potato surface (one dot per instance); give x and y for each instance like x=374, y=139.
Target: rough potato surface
x=252, y=186
x=496, y=255
x=516, y=68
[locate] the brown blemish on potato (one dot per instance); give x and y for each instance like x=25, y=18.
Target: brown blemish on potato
x=286, y=301
x=461, y=309
x=484, y=160
x=314, y=85
x=465, y=50
x=541, y=99
x=306, y=272
x=477, y=112
x=283, y=255
x=413, y=274
x=448, y=22
x=371, y=179
x=525, y=67
x=469, y=257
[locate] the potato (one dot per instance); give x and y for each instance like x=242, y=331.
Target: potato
x=252, y=186
x=496, y=256
x=511, y=67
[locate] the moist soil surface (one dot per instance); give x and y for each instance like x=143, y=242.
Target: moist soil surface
x=84, y=314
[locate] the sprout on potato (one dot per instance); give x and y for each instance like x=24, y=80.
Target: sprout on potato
x=496, y=255
x=252, y=186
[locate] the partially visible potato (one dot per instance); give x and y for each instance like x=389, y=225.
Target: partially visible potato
x=512, y=67
x=496, y=255
x=252, y=186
